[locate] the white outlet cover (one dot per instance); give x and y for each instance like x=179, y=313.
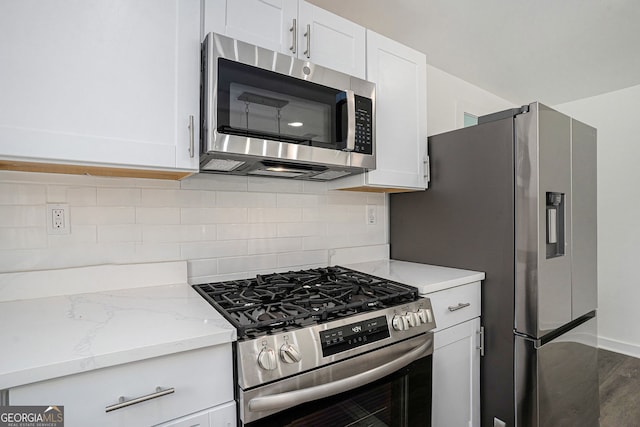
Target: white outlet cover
x=65, y=229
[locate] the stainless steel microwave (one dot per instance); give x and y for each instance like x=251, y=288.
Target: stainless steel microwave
x=270, y=114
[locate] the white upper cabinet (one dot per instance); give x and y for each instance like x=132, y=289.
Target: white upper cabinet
x=293, y=27
x=100, y=83
x=400, y=75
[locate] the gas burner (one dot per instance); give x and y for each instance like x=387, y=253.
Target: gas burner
x=279, y=302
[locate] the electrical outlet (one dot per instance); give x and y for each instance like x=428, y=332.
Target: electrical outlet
x=58, y=219
x=372, y=214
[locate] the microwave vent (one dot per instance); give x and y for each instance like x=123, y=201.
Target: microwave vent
x=223, y=165
x=328, y=175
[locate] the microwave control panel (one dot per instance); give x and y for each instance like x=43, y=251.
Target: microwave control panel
x=364, y=125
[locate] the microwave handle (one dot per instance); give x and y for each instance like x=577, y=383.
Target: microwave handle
x=351, y=120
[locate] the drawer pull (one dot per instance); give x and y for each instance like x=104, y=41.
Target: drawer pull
x=459, y=306
x=122, y=403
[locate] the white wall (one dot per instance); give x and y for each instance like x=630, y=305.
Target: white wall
x=615, y=115
x=450, y=97
x=222, y=225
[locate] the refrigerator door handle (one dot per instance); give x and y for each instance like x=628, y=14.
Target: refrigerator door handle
x=539, y=342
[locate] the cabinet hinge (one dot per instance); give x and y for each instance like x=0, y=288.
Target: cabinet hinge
x=427, y=167
x=481, y=340
x=427, y=172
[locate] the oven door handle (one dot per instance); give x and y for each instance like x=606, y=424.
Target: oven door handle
x=296, y=397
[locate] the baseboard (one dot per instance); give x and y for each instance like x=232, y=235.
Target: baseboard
x=619, y=346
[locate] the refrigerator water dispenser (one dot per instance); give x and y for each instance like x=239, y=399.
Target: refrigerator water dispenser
x=555, y=224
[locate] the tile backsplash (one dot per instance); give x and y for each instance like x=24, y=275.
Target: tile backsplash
x=224, y=226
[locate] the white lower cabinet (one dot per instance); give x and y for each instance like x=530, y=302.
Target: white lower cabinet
x=456, y=357
x=198, y=386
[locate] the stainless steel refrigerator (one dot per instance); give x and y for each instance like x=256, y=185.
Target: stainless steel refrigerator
x=515, y=197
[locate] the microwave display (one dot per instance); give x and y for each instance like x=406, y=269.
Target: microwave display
x=259, y=103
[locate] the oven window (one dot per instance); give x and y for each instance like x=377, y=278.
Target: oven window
x=259, y=103
x=402, y=399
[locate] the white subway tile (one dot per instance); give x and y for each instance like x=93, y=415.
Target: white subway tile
x=358, y=254
x=119, y=233
x=177, y=233
x=201, y=267
x=266, y=246
x=177, y=198
x=79, y=234
x=156, y=183
x=228, y=199
x=377, y=199
x=208, y=181
x=82, y=196
x=25, y=260
x=298, y=200
x=22, y=216
x=156, y=252
x=274, y=185
x=246, y=231
x=216, y=249
x=246, y=264
x=301, y=258
x=101, y=215
x=212, y=215
x=56, y=194
x=22, y=194
x=157, y=215
x=118, y=196
x=275, y=215
x=326, y=242
x=300, y=229
x=332, y=214
x=346, y=198
x=23, y=237
x=313, y=187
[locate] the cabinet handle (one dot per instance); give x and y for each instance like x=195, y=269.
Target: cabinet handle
x=459, y=306
x=191, y=137
x=481, y=346
x=307, y=52
x=294, y=36
x=122, y=403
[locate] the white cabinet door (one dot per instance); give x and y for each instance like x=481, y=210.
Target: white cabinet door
x=292, y=27
x=101, y=83
x=456, y=374
x=331, y=41
x=400, y=75
x=265, y=23
x=86, y=396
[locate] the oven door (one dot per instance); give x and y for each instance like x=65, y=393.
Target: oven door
x=390, y=386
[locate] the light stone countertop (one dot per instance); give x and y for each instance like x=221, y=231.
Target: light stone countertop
x=59, y=335
x=427, y=278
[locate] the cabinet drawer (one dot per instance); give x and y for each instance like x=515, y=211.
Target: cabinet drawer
x=455, y=305
x=200, y=378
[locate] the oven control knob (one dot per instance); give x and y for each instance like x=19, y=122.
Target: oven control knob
x=289, y=353
x=413, y=318
x=400, y=322
x=267, y=359
x=425, y=315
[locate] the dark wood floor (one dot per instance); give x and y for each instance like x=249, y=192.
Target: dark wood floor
x=619, y=390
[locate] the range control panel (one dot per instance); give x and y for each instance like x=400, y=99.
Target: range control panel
x=354, y=335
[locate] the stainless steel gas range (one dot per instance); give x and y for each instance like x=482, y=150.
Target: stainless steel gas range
x=328, y=346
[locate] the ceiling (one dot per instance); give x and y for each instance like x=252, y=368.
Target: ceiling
x=552, y=51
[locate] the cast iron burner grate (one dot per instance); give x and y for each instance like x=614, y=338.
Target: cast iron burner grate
x=279, y=302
